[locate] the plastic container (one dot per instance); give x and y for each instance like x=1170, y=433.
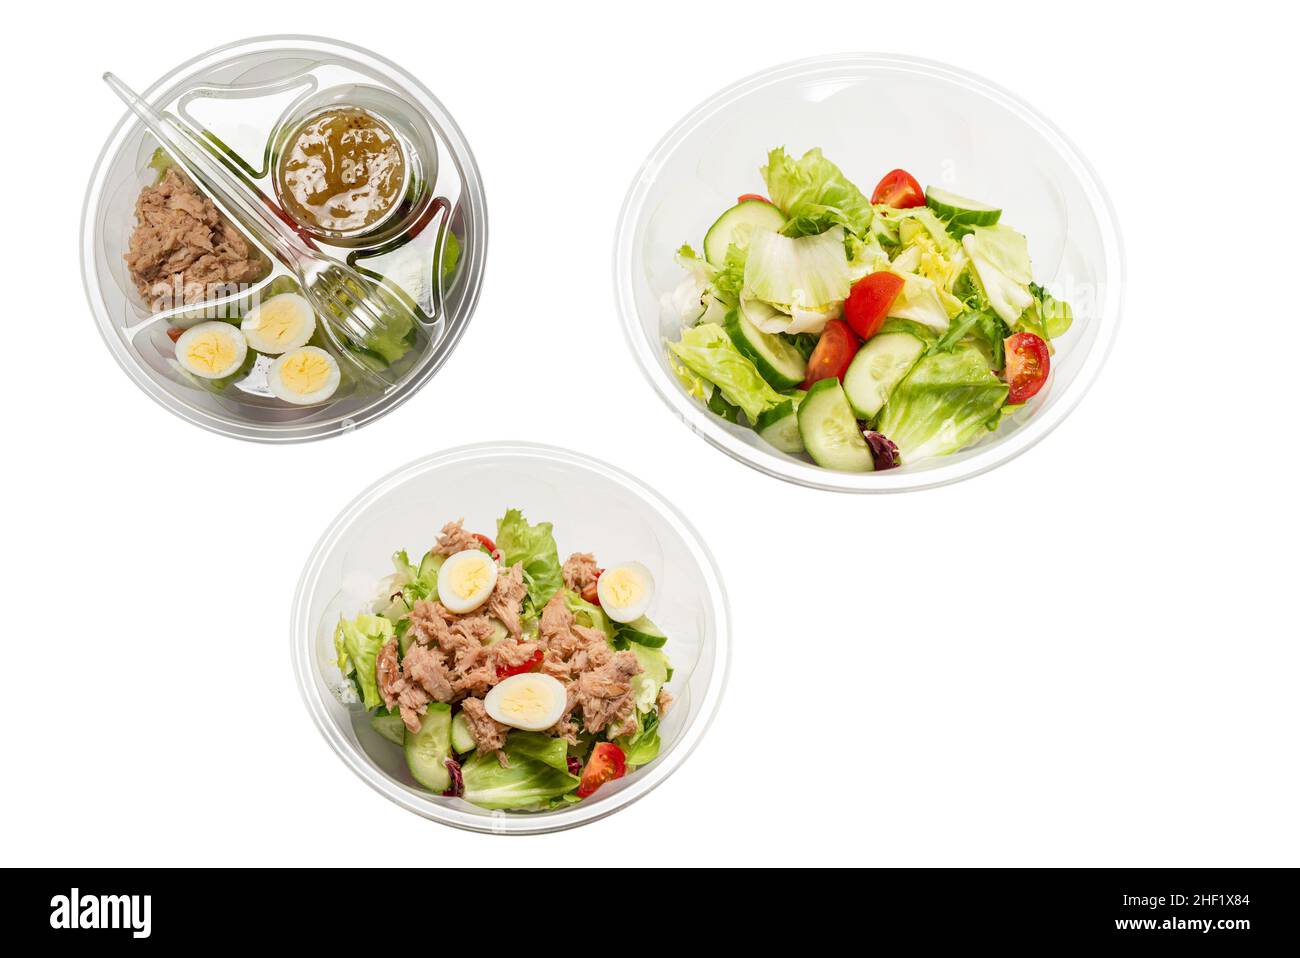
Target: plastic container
x=251, y=96
x=594, y=508
x=871, y=113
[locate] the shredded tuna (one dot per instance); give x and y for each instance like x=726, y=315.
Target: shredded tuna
x=507, y=600
x=489, y=735
x=427, y=667
x=579, y=571
x=454, y=538
x=181, y=242
x=605, y=694
x=400, y=688
x=388, y=673
x=663, y=702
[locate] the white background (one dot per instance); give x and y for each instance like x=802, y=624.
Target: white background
x=1085, y=657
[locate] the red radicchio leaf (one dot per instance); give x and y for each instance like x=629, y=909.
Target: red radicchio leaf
x=457, y=780
x=883, y=451
x=575, y=767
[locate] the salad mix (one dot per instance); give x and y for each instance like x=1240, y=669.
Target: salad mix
x=861, y=332
x=508, y=678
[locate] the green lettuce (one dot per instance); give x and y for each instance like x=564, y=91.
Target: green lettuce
x=1000, y=257
x=642, y=746
x=534, y=546
x=358, y=643
x=528, y=782
x=814, y=195
x=810, y=272
x=1054, y=315
x=539, y=747
x=654, y=675
x=943, y=403
x=708, y=351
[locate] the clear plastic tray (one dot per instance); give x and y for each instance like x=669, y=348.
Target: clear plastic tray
x=871, y=113
x=250, y=96
x=594, y=508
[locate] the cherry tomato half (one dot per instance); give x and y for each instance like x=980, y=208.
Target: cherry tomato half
x=589, y=593
x=833, y=353
x=869, y=301
x=488, y=544
x=900, y=190
x=1028, y=363
x=607, y=763
x=746, y=197
x=173, y=333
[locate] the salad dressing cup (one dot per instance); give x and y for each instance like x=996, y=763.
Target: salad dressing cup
x=593, y=508
x=871, y=113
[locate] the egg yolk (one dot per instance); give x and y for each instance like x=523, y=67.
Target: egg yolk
x=622, y=586
x=469, y=577
x=276, y=322
x=305, y=373
x=526, y=704
x=211, y=352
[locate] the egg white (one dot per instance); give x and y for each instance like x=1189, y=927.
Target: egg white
x=638, y=581
x=459, y=564
x=531, y=701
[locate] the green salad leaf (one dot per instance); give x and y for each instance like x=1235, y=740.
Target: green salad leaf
x=592, y=616
x=534, y=546
x=539, y=747
x=642, y=746
x=358, y=643
x=805, y=271
x=943, y=403
x=1000, y=257
x=814, y=195
x=527, y=783
x=708, y=351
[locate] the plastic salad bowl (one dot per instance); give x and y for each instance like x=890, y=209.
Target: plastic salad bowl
x=871, y=113
x=247, y=102
x=593, y=507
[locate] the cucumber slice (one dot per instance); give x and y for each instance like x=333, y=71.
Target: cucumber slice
x=829, y=430
x=461, y=740
x=776, y=359
x=643, y=632
x=878, y=367
x=959, y=209
x=427, y=750
x=389, y=725
x=779, y=426
x=735, y=225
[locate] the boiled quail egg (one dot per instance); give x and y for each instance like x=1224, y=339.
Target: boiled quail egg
x=531, y=701
x=304, y=376
x=279, y=324
x=211, y=350
x=625, y=591
x=466, y=580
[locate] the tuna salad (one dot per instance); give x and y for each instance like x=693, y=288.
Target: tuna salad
x=510, y=679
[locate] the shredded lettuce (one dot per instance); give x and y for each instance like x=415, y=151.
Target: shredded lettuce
x=534, y=546
x=708, y=351
x=814, y=195
x=943, y=403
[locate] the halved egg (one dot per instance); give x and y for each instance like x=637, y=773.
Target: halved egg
x=304, y=376
x=211, y=350
x=279, y=324
x=625, y=591
x=531, y=701
x=466, y=580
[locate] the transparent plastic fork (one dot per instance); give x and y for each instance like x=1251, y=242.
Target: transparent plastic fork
x=351, y=306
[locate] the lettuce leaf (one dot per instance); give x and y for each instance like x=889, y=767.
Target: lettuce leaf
x=526, y=783
x=708, y=351
x=814, y=195
x=1000, y=257
x=943, y=403
x=642, y=746
x=539, y=747
x=809, y=272
x=534, y=546
x=358, y=643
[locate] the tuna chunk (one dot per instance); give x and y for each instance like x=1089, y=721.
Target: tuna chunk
x=181, y=242
x=579, y=571
x=489, y=735
x=605, y=694
x=388, y=673
x=427, y=667
x=454, y=538
x=507, y=600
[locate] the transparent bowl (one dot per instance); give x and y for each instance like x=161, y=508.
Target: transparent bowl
x=871, y=113
x=251, y=95
x=594, y=508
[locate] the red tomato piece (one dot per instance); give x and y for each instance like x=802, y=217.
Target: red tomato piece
x=746, y=197
x=504, y=672
x=590, y=594
x=487, y=544
x=869, y=302
x=606, y=764
x=1028, y=363
x=900, y=190
x=833, y=353
x=173, y=333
